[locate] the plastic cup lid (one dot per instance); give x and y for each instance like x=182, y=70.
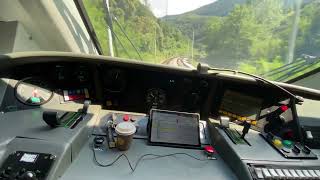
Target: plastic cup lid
x=125, y=128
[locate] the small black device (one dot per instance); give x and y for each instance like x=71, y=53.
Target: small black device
x=172, y=128
x=27, y=165
x=98, y=142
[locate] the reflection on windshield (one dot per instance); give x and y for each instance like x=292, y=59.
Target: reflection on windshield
x=278, y=39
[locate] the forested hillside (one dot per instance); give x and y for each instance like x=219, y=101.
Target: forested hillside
x=154, y=39
x=254, y=36
x=251, y=35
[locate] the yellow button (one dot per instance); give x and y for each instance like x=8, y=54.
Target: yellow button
x=253, y=122
x=277, y=143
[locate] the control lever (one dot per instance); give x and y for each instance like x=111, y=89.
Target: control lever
x=85, y=108
x=245, y=130
x=51, y=118
x=275, y=120
x=84, y=112
x=309, y=135
x=54, y=119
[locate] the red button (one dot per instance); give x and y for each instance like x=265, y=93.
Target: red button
x=126, y=117
x=284, y=108
x=209, y=149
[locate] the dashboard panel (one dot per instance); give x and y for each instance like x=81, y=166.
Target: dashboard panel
x=133, y=86
x=136, y=90
x=114, y=87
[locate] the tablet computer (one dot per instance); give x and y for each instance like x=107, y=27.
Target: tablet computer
x=173, y=128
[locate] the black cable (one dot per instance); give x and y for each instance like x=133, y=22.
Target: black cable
x=299, y=99
x=125, y=34
x=133, y=168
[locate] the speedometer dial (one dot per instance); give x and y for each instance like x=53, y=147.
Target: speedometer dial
x=156, y=97
x=33, y=91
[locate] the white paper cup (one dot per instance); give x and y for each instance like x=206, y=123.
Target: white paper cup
x=125, y=132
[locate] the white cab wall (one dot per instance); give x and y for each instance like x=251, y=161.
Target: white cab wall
x=55, y=25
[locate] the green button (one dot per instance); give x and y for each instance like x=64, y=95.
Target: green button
x=287, y=143
x=35, y=100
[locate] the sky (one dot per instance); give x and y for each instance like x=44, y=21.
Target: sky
x=176, y=6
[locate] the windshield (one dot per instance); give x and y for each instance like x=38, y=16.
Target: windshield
x=277, y=39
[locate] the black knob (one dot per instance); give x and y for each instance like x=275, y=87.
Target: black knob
x=296, y=149
x=8, y=170
x=98, y=140
x=28, y=175
x=23, y=170
x=306, y=150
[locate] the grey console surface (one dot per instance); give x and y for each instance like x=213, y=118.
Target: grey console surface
x=174, y=167
x=26, y=131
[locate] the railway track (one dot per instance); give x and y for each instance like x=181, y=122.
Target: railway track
x=179, y=62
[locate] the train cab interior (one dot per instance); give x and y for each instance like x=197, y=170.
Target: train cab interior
x=132, y=89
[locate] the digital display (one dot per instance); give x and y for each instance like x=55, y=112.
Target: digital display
x=30, y=158
x=240, y=106
x=172, y=127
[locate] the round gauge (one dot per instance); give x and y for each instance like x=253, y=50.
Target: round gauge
x=33, y=91
x=115, y=81
x=156, y=97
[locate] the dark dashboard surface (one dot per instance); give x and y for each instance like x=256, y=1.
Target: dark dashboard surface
x=133, y=86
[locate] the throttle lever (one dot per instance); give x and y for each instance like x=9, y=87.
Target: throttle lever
x=86, y=105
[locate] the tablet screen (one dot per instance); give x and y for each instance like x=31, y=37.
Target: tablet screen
x=171, y=127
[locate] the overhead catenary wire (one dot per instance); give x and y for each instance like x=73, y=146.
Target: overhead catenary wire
x=121, y=44
x=127, y=37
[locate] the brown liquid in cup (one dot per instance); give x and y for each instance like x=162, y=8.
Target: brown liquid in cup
x=123, y=142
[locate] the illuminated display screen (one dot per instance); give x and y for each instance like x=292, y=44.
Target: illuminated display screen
x=30, y=158
x=239, y=106
x=172, y=127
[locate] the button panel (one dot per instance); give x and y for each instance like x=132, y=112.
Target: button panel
x=283, y=172
x=289, y=149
